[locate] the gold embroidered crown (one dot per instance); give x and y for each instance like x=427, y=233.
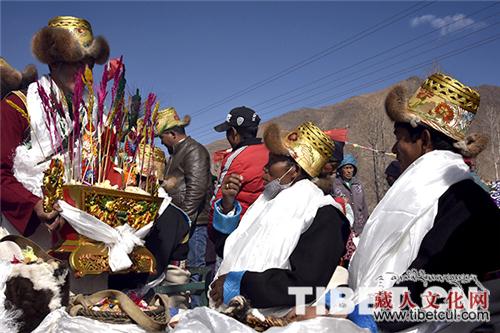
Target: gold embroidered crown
x=453, y=91
x=153, y=162
x=445, y=104
x=80, y=28
x=310, y=147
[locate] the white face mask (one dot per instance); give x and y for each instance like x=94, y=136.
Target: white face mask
x=274, y=187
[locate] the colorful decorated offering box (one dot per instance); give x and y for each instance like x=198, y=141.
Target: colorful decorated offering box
x=115, y=208
x=94, y=158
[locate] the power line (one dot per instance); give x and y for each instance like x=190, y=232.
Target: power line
x=374, y=71
x=403, y=71
x=346, y=42
x=206, y=131
x=387, y=51
x=408, y=69
x=417, y=66
x=363, y=61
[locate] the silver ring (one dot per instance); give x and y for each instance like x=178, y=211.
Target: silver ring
x=227, y=186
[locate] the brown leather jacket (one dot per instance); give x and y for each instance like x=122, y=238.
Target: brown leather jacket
x=188, y=180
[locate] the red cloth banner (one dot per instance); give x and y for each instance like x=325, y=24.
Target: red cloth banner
x=337, y=134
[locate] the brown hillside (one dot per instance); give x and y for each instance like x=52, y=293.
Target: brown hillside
x=368, y=126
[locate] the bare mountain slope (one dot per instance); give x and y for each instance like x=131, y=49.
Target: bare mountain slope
x=368, y=125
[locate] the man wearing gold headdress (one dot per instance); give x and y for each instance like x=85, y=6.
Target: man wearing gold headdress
x=66, y=45
x=293, y=235
x=434, y=215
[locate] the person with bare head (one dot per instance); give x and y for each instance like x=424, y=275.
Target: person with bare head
x=392, y=172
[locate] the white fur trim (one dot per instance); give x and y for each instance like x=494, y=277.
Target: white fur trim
x=8, y=318
x=42, y=276
x=415, y=121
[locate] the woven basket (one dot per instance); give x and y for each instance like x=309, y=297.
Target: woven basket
x=152, y=320
x=121, y=317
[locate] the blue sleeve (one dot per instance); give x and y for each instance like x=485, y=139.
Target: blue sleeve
x=232, y=285
x=328, y=300
x=226, y=224
x=363, y=321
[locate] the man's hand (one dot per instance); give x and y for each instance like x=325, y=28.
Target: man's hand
x=230, y=189
x=217, y=290
x=310, y=312
x=52, y=220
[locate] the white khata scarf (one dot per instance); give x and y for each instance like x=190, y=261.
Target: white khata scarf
x=29, y=158
x=394, y=231
x=270, y=229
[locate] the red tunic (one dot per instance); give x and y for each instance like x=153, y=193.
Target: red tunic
x=250, y=165
x=16, y=201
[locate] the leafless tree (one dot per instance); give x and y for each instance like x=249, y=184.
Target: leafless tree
x=376, y=138
x=493, y=127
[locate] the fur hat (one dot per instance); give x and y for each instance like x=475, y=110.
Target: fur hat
x=12, y=79
x=442, y=103
x=472, y=145
x=308, y=145
x=34, y=290
x=68, y=39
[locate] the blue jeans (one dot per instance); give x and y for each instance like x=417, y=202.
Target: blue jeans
x=196, y=255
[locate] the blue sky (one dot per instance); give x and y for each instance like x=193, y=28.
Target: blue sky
x=195, y=54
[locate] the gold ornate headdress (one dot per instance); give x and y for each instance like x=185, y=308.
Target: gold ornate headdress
x=308, y=145
x=80, y=28
x=441, y=102
x=68, y=39
x=153, y=163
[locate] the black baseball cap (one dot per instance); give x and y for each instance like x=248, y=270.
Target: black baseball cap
x=240, y=117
